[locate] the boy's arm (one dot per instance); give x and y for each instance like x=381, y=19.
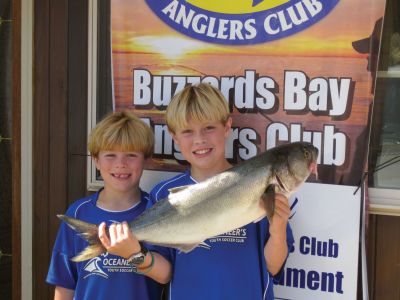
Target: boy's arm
x=276, y=249
x=61, y=293
x=123, y=243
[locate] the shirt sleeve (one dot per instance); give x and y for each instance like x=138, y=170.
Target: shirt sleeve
x=62, y=271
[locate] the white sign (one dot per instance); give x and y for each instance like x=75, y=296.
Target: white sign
x=325, y=223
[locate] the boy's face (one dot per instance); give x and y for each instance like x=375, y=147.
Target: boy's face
x=203, y=144
x=121, y=171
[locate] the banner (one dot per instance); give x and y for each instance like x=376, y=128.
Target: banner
x=296, y=70
x=323, y=265
x=287, y=68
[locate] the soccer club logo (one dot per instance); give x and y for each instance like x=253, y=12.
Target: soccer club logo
x=93, y=268
x=240, y=22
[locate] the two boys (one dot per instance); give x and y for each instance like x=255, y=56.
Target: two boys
x=199, y=122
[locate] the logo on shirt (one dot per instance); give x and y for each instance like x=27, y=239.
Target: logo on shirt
x=235, y=236
x=93, y=268
x=240, y=22
x=106, y=264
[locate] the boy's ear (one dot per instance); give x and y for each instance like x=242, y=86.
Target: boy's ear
x=147, y=162
x=174, y=137
x=228, y=126
x=96, y=162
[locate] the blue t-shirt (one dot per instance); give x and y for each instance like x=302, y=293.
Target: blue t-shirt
x=228, y=266
x=106, y=276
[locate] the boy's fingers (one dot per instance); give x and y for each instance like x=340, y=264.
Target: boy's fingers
x=113, y=233
x=125, y=229
x=282, y=208
x=282, y=203
x=119, y=230
x=103, y=234
x=281, y=199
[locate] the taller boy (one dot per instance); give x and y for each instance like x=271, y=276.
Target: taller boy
x=237, y=265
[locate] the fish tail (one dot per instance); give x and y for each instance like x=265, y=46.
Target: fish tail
x=89, y=252
x=88, y=232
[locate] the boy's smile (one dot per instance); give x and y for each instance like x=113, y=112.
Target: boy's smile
x=202, y=151
x=120, y=176
x=203, y=145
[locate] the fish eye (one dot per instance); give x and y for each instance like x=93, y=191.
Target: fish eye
x=307, y=154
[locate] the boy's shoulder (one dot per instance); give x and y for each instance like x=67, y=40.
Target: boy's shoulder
x=82, y=203
x=161, y=189
x=90, y=201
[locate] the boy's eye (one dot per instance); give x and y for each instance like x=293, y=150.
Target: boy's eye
x=186, y=131
x=131, y=155
x=209, y=128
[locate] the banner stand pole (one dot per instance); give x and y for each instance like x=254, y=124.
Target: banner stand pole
x=364, y=271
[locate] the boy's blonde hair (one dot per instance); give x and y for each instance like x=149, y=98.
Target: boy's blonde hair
x=201, y=102
x=121, y=131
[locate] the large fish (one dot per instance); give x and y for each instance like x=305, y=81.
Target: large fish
x=229, y=200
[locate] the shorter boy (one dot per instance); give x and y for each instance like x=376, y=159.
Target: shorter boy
x=119, y=145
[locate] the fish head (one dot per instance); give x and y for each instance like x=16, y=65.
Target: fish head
x=292, y=165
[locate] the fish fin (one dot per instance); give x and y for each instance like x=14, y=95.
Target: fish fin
x=205, y=245
x=186, y=248
x=259, y=219
x=178, y=188
x=88, y=232
x=89, y=252
x=268, y=198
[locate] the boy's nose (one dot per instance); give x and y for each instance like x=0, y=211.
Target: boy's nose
x=121, y=162
x=200, y=138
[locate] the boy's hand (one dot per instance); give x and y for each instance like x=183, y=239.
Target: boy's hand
x=121, y=241
x=281, y=216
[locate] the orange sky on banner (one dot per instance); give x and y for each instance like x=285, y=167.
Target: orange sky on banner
x=353, y=19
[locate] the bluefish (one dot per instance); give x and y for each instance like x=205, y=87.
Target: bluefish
x=222, y=203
